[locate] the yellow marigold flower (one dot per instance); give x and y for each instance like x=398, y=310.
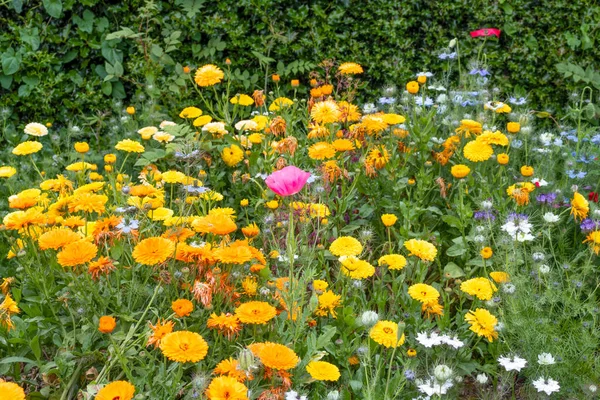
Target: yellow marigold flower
x=208, y=75
x=227, y=324
x=350, y=112
x=107, y=324
x=345, y=246
x=182, y=307
x=26, y=148
x=411, y=353
x=261, y=122
x=203, y=120
x=500, y=277
x=412, y=87
x=513, y=127
x=393, y=119
x=389, y=219
x=423, y=292
x=160, y=214
x=323, y=371
x=422, y=249
x=160, y=330
x=477, y=151
x=275, y=356
x=244, y=202
x=356, y=268
x=242, y=100
x=255, y=312
x=173, y=176
x=432, y=308
x=226, y=388
x=594, y=240
x=251, y=230
x=468, y=127
x=503, y=158
x=393, y=261
x=7, y=171
x=328, y=301
x=120, y=390
x=232, y=155
x=184, y=346
x=154, y=250
x=231, y=368
x=9, y=306
x=385, y=333
x=343, y=145
x=77, y=253
x=497, y=138
x=483, y=323
x=486, y=252
x=217, y=129
x=190, y=112
x=460, y=171
x=82, y=147
x=579, y=206
x=374, y=123
x=526, y=170
x=378, y=157
x=12, y=391
x=272, y=204
x=163, y=137
x=350, y=68
x=130, y=110
x=35, y=129
x=57, y=238
x=325, y=112
x=482, y=288
x=279, y=103
x=147, y=132
x=320, y=286
x=321, y=151
x=130, y=146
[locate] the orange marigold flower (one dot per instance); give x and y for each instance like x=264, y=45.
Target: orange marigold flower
x=77, y=253
x=227, y=324
x=57, y=238
x=231, y=368
x=182, y=307
x=226, y=388
x=107, y=324
x=275, y=356
x=255, y=312
x=102, y=265
x=154, y=250
x=184, y=346
x=120, y=390
x=160, y=330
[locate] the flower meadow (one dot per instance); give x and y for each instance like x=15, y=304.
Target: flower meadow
x=292, y=243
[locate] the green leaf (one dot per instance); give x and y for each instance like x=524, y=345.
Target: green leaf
x=35, y=347
x=5, y=81
x=453, y=271
x=452, y=221
x=53, y=7
x=106, y=88
x=18, y=5
x=12, y=360
x=456, y=250
x=325, y=338
x=11, y=63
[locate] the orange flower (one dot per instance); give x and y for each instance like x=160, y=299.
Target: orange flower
x=77, y=253
x=182, y=307
x=255, y=312
x=57, y=238
x=184, y=346
x=102, y=265
x=275, y=356
x=107, y=324
x=160, y=330
x=227, y=324
x=154, y=250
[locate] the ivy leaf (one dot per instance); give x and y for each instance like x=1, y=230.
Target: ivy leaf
x=11, y=62
x=53, y=7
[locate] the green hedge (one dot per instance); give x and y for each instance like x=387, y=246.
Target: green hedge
x=56, y=57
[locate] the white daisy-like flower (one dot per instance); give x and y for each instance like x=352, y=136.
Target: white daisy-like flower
x=429, y=339
x=544, y=269
x=431, y=388
x=482, y=379
x=452, y=341
x=551, y=218
x=513, y=363
x=546, y=359
x=546, y=385
x=35, y=129
x=539, y=182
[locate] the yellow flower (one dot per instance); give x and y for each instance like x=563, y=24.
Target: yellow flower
x=232, y=155
x=35, y=129
x=12, y=391
x=242, y=100
x=497, y=138
x=321, y=151
x=393, y=261
x=279, y=103
x=594, y=239
x=217, y=129
x=190, y=112
x=272, y=204
x=120, y=390
x=173, y=176
x=147, y=132
x=343, y=145
x=82, y=147
x=468, y=127
x=7, y=171
x=130, y=110
x=350, y=68
x=319, y=285
x=328, y=301
x=275, y=356
x=393, y=119
x=500, y=277
x=160, y=214
x=486, y=252
x=323, y=371
x=460, y=171
x=153, y=250
x=255, y=312
x=422, y=249
x=483, y=323
x=477, y=151
x=389, y=219
x=26, y=148
x=208, y=75
x=385, y=333
x=345, y=246
x=203, y=120
x=184, y=346
x=130, y=146
x=356, y=268
x=579, y=206
x=412, y=87
x=423, y=292
x=483, y=288
x=244, y=202
x=325, y=112
x=502, y=158
x=226, y=388
x=513, y=127
x=526, y=170
x=163, y=137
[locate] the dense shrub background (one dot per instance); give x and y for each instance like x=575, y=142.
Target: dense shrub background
x=56, y=57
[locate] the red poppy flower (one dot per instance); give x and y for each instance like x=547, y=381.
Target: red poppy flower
x=486, y=32
x=593, y=196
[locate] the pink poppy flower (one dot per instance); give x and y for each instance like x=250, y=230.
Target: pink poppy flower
x=486, y=32
x=287, y=181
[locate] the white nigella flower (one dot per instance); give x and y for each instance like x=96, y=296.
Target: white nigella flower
x=546, y=385
x=369, y=318
x=513, y=363
x=509, y=288
x=431, y=388
x=487, y=204
x=442, y=372
x=544, y=269
x=429, y=339
x=546, y=359
x=524, y=237
x=551, y=218
x=482, y=379
x=546, y=138
x=452, y=341
x=593, y=388
x=538, y=256
x=479, y=239
x=539, y=182
x=293, y=395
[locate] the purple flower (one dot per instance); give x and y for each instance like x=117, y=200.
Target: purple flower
x=484, y=214
x=588, y=225
x=546, y=198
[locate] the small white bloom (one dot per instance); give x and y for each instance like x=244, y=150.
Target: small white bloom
x=369, y=318
x=547, y=386
x=546, y=359
x=429, y=339
x=546, y=138
x=482, y=379
x=544, y=269
x=431, y=388
x=452, y=341
x=538, y=256
x=166, y=123
x=539, y=182
x=592, y=388
x=479, y=239
x=524, y=237
x=487, y=204
x=509, y=288
x=512, y=364
x=480, y=228
x=551, y=218
x=442, y=372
